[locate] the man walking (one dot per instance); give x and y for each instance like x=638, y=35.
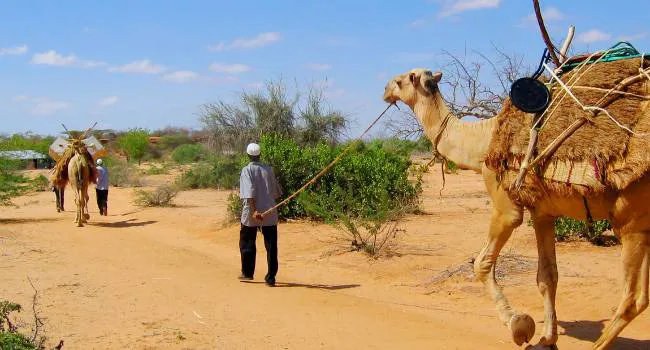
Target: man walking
x=101, y=188
x=258, y=190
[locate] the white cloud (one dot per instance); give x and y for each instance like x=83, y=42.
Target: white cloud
x=109, y=101
x=139, y=67
x=181, y=76
x=633, y=37
x=17, y=50
x=261, y=40
x=53, y=58
x=592, y=36
x=229, y=68
x=45, y=106
x=19, y=98
x=319, y=66
x=453, y=7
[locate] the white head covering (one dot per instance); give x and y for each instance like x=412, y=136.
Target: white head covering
x=253, y=149
x=100, y=161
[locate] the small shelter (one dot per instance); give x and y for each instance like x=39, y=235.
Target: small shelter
x=30, y=156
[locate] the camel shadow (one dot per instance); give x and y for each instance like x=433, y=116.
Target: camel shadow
x=310, y=286
x=591, y=330
x=123, y=223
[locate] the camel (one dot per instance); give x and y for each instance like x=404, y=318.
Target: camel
x=466, y=144
x=79, y=176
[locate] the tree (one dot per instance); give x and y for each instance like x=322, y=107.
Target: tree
x=134, y=143
x=271, y=111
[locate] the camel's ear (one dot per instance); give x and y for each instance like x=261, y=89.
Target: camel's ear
x=430, y=81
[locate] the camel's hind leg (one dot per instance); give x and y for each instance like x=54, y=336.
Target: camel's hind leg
x=506, y=216
x=636, y=256
x=547, y=276
x=78, y=198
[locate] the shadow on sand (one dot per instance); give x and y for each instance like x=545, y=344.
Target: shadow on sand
x=9, y=221
x=311, y=286
x=123, y=223
x=591, y=330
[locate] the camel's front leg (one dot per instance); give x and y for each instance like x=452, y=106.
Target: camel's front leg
x=506, y=216
x=636, y=256
x=547, y=276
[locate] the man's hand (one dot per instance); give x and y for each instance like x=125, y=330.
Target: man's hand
x=258, y=216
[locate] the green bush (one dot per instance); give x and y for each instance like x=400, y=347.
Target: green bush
x=357, y=185
x=11, y=184
x=121, y=173
x=170, y=142
x=162, y=196
x=234, y=208
x=135, y=143
x=565, y=228
x=10, y=338
x=40, y=183
x=219, y=173
x=188, y=153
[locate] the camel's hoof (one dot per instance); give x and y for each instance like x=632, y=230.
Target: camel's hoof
x=522, y=327
x=549, y=341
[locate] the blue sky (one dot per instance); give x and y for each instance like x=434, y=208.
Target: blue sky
x=153, y=63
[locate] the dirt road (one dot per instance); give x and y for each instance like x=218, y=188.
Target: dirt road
x=165, y=278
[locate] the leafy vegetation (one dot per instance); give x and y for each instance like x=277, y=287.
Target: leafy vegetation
x=188, y=153
x=11, y=184
x=134, y=143
x=567, y=228
x=10, y=337
x=217, y=172
x=121, y=173
x=271, y=112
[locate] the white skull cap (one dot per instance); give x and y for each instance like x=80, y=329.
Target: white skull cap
x=253, y=149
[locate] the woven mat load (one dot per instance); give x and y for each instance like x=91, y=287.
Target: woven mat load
x=60, y=176
x=600, y=154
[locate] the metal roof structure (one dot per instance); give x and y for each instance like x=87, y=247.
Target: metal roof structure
x=22, y=154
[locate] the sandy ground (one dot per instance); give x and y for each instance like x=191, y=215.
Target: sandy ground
x=165, y=278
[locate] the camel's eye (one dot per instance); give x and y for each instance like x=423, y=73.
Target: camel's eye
x=399, y=84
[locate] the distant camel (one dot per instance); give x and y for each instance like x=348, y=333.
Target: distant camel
x=79, y=176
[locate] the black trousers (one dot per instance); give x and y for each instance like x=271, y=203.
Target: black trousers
x=59, y=197
x=102, y=200
x=248, y=251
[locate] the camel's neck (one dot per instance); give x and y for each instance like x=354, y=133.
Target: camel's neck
x=464, y=143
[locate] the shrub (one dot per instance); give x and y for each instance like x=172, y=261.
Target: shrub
x=565, y=228
x=121, y=173
x=356, y=185
x=10, y=338
x=233, y=212
x=11, y=184
x=219, y=173
x=134, y=143
x=40, y=183
x=188, y=153
x=162, y=196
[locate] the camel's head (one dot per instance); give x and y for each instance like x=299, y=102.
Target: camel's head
x=409, y=87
